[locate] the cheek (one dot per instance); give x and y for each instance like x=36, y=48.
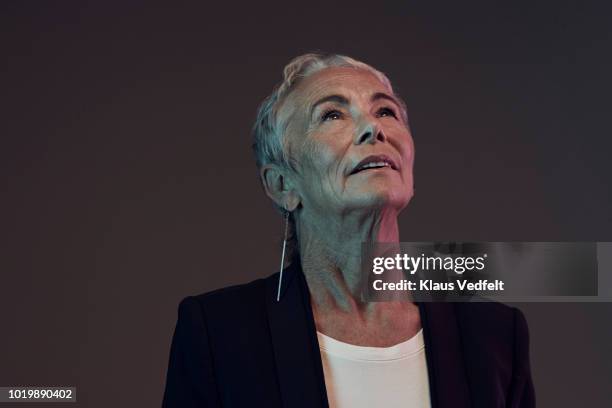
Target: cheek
x=324, y=154
x=322, y=171
x=407, y=149
x=410, y=153
x=405, y=146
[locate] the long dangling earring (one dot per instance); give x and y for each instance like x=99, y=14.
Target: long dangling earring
x=282, y=263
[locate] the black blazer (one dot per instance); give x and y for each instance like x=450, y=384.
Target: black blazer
x=238, y=347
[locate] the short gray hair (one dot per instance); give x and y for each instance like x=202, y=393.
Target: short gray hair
x=269, y=143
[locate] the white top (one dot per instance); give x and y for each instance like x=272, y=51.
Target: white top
x=358, y=376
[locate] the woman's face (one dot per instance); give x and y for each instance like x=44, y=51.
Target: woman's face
x=350, y=144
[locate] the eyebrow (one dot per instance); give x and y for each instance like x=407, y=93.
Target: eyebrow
x=344, y=101
x=330, y=98
x=381, y=95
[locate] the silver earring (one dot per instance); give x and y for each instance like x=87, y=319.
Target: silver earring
x=280, y=278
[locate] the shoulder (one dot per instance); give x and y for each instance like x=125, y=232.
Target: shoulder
x=229, y=308
x=495, y=340
x=483, y=311
x=490, y=316
x=494, y=327
x=241, y=295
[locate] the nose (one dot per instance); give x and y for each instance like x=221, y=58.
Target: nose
x=369, y=132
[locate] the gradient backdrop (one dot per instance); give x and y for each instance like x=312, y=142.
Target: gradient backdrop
x=127, y=180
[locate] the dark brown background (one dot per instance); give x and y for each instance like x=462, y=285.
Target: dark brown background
x=127, y=179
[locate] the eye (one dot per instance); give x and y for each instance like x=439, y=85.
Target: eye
x=386, y=111
x=331, y=114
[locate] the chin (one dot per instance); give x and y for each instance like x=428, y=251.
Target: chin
x=384, y=196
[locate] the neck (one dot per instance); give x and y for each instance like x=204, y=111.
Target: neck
x=330, y=253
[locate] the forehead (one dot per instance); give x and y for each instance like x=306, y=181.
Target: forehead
x=346, y=81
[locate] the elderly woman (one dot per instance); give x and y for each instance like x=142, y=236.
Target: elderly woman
x=335, y=155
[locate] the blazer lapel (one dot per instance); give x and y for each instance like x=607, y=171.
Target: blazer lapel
x=296, y=349
x=446, y=368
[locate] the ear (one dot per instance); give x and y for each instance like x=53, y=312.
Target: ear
x=279, y=186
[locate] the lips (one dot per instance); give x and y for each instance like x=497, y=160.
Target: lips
x=374, y=162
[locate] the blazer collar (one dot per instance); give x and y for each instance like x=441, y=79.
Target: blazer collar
x=298, y=358
x=294, y=340
x=448, y=385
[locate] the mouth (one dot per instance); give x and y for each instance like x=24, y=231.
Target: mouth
x=374, y=162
